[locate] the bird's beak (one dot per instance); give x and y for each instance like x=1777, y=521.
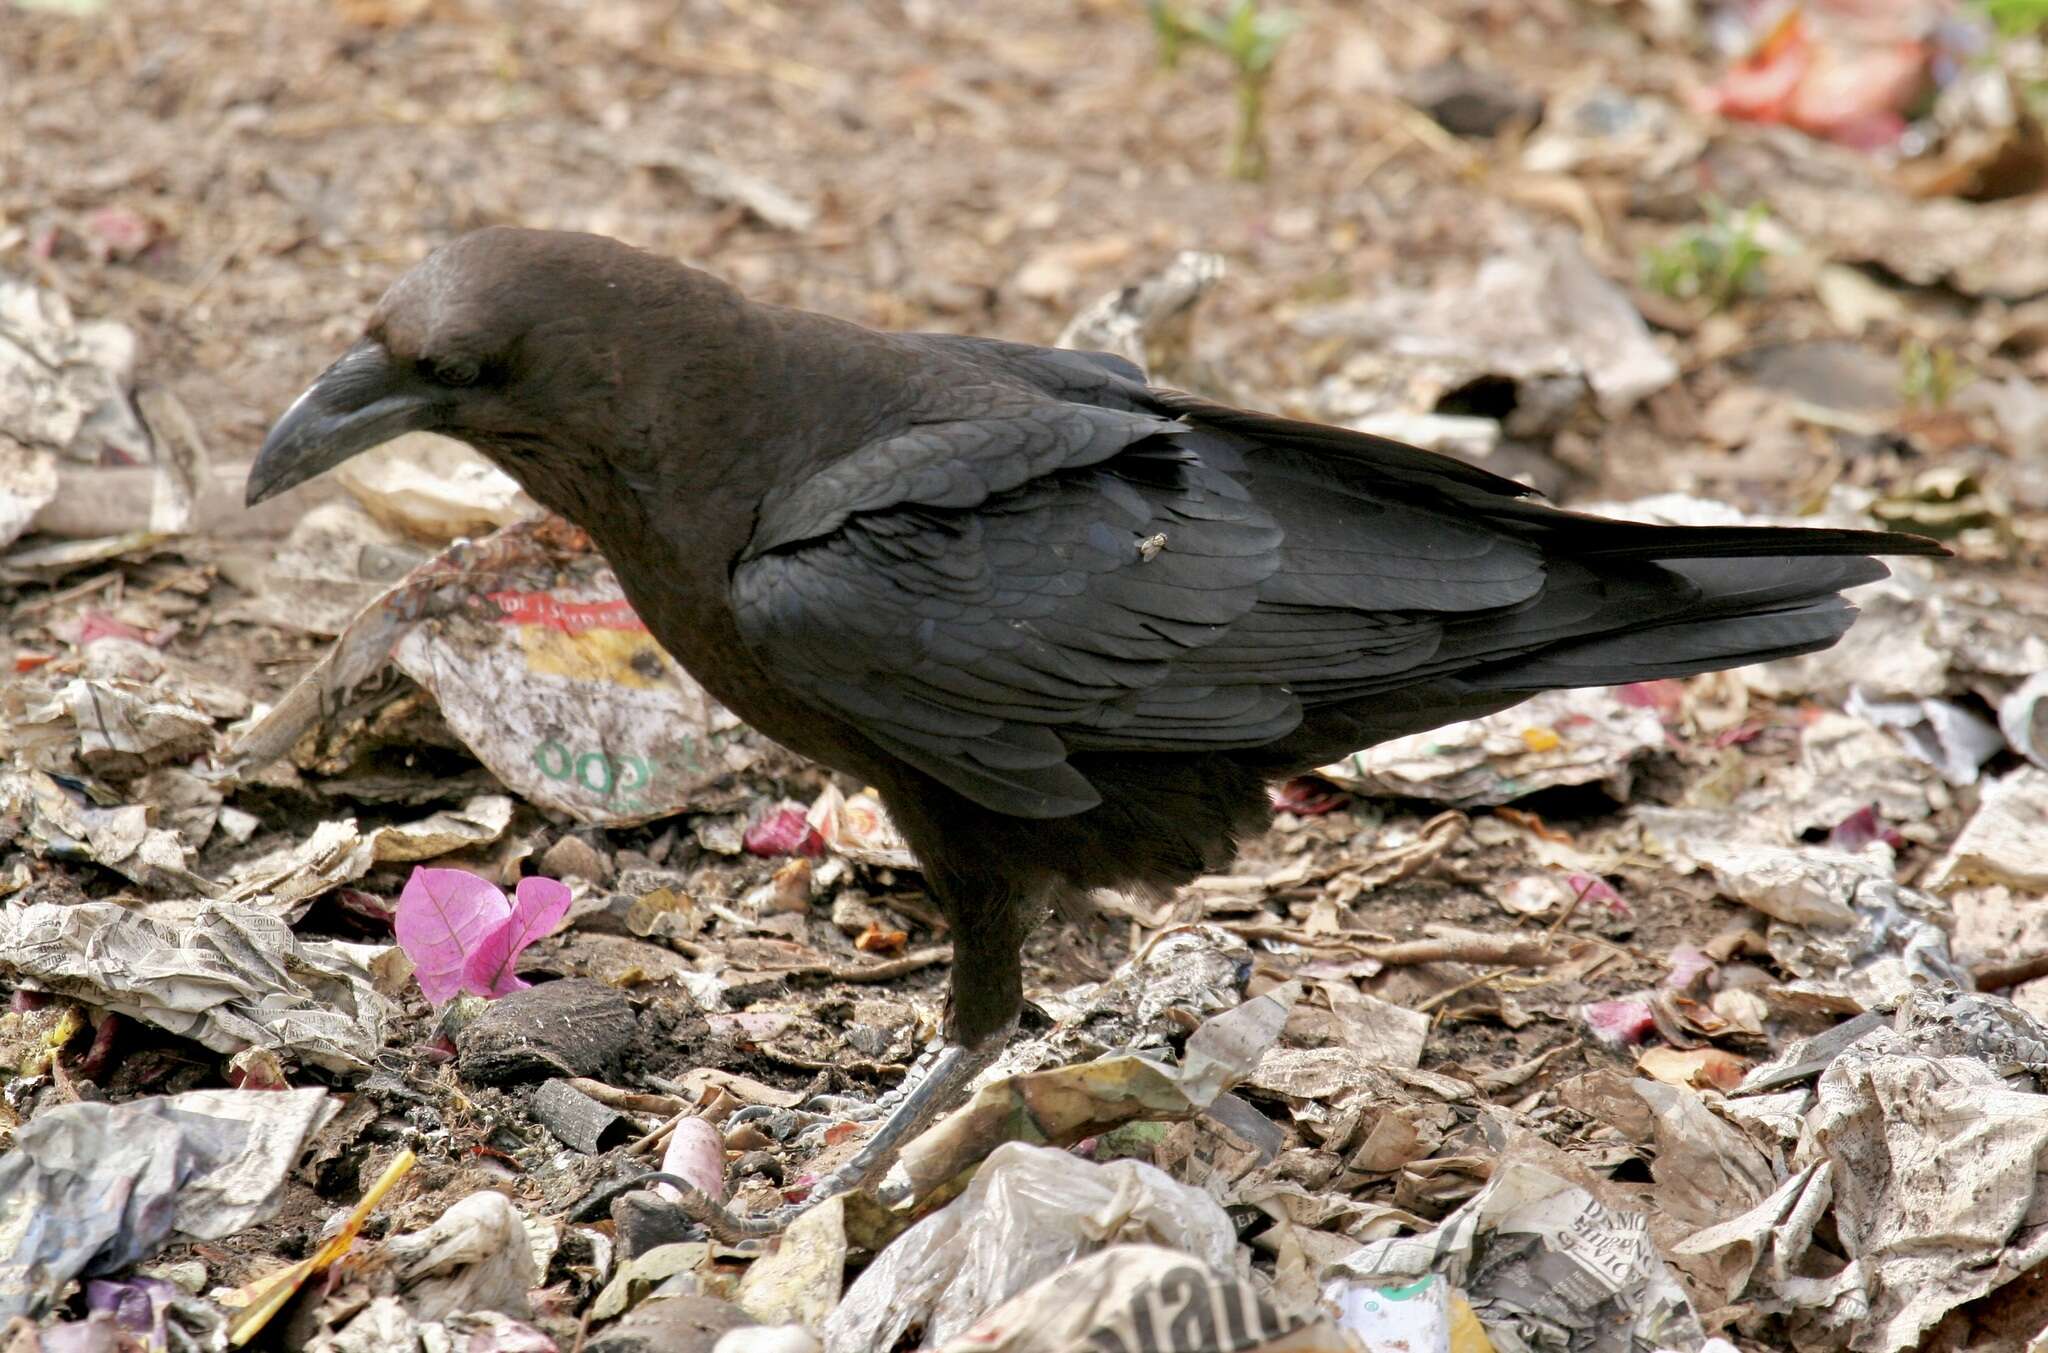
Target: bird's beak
x=363, y=400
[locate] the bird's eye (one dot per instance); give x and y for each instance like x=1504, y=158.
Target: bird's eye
x=455, y=371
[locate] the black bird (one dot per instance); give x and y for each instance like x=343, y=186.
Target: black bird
x=1070, y=624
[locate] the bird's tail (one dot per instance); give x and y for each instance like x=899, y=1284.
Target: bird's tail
x=1747, y=610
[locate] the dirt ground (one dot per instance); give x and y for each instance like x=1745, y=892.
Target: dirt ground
x=236, y=182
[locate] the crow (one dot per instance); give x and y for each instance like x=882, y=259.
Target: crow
x=1069, y=623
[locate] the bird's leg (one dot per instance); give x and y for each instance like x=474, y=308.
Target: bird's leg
x=985, y=997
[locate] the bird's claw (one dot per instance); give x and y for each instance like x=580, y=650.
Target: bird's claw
x=846, y=1108
x=783, y=1125
x=933, y=1084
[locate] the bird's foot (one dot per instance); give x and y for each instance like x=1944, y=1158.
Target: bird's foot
x=938, y=1079
x=807, y=1123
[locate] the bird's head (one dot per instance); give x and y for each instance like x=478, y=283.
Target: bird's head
x=502, y=338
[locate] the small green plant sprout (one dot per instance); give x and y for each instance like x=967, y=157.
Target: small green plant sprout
x=1170, y=30
x=1931, y=375
x=2016, y=18
x=1718, y=262
x=1249, y=35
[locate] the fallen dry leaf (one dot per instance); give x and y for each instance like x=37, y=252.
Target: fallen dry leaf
x=1698, y=1068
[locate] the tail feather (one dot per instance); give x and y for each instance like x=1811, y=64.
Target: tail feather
x=1601, y=538
x=1676, y=648
x=1750, y=583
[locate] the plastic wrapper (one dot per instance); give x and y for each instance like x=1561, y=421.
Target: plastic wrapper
x=227, y=977
x=93, y=1188
x=1029, y=1213
x=1145, y=1299
x=558, y=687
x=385, y=1326
x=1426, y=1316
x=1577, y=737
x=157, y=1315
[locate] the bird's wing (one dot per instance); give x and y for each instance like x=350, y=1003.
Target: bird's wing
x=980, y=635
x=984, y=595
x=1003, y=436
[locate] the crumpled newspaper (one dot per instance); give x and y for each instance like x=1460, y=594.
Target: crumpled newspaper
x=1931, y=1169
x=93, y=1188
x=1573, y=737
x=1199, y=970
x=63, y=391
x=226, y=976
x=1529, y=308
x=1896, y=945
x=2006, y=839
x=1838, y=921
x=285, y=881
x=1919, y=638
x=1954, y=740
x=1545, y=1264
x=1149, y=322
x=64, y=824
x=124, y=708
x=67, y=825
x=335, y=560
x=1145, y=1297
x=541, y=667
